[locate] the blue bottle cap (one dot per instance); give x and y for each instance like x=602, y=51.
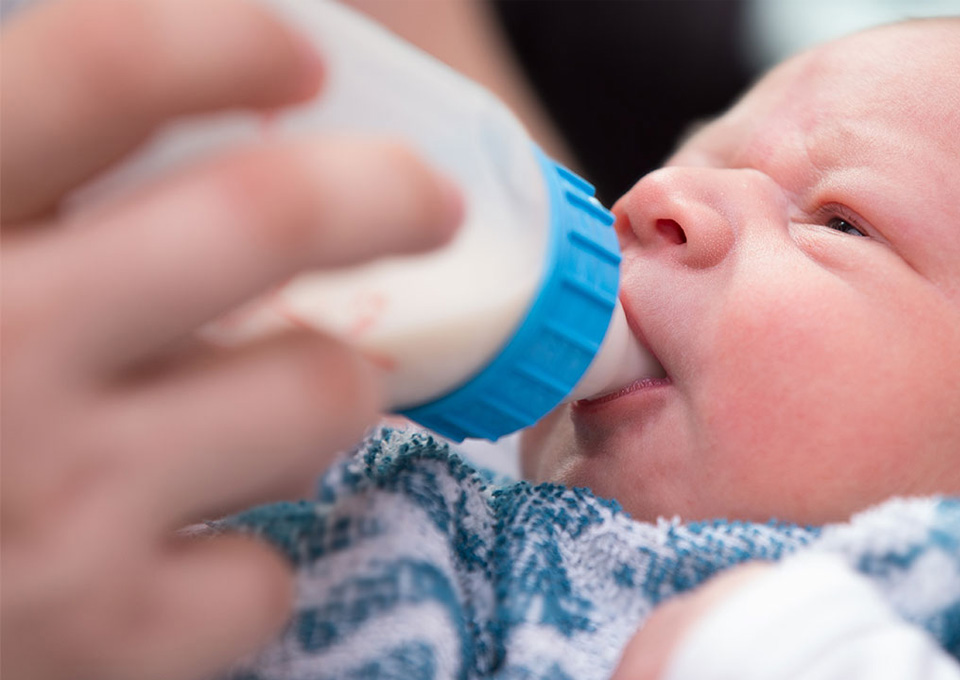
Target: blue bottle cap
x=562, y=331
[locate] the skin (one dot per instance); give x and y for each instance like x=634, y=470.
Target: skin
x=118, y=428
x=812, y=370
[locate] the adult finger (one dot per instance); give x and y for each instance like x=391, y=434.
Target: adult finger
x=244, y=427
x=85, y=81
x=198, y=245
x=214, y=600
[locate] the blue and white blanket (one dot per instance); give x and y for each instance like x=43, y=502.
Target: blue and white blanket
x=413, y=565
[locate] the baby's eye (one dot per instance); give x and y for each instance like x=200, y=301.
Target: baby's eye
x=842, y=225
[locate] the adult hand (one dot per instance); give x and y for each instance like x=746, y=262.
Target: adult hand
x=118, y=429
x=647, y=655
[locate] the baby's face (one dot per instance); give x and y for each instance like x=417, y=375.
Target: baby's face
x=796, y=269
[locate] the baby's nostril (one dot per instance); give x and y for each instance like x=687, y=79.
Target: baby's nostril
x=671, y=231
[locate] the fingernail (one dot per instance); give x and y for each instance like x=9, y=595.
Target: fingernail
x=314, y=70
x=454, y=206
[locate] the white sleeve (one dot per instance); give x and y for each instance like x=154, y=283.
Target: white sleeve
x=811, y=618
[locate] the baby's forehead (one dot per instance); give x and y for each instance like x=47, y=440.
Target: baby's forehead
x=904, y=77
x=899, y=69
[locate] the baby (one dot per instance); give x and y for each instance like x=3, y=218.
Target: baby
x=796, y=269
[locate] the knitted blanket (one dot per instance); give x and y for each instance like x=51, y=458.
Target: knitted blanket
x=413, y=565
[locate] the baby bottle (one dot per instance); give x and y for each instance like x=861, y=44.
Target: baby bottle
x=486, y=335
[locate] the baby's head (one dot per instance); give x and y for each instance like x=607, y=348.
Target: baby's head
x=796, y=269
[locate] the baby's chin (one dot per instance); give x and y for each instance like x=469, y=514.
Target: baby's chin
x=548, y=453
x=543, y=445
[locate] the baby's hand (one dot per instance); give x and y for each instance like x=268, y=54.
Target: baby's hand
x=117, y=428
x=649, y=651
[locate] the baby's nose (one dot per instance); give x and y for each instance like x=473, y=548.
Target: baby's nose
x=693, y=215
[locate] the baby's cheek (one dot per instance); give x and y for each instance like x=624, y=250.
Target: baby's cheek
x=782, y=410
x=761, y=374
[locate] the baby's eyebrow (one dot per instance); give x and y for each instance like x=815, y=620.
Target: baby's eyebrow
x=900, y=178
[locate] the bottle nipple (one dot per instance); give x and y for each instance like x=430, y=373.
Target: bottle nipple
x=620, y=361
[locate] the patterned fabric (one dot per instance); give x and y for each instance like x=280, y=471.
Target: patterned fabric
x=413, y=565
